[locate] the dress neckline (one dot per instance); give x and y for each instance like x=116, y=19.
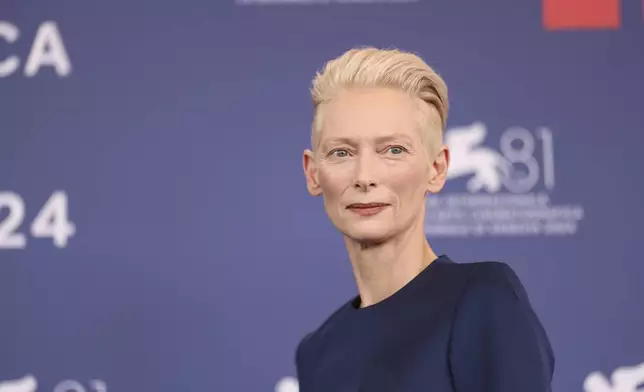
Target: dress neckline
x=402, y=293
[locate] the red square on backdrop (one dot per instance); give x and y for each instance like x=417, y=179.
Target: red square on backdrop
x=581, y=14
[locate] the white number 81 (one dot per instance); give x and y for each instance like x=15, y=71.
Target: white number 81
x=51, y=221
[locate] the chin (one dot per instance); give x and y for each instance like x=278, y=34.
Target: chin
x=370, y=232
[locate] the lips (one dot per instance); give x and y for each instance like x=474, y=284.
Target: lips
x=366, y=205
x=367, y=209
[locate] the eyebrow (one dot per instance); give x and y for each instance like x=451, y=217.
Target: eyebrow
x=336, y=140
x=394, y=136
x=378, y=140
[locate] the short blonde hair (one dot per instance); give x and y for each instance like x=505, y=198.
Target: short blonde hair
x=368, y=67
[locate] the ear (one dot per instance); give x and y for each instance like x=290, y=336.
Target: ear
x=438, y=171
x=311, y=173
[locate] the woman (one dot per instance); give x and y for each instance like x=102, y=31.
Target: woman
x=420, y=322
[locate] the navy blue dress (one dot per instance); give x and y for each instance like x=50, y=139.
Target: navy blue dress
x=456, y=327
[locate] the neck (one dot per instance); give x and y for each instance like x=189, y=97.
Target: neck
x=382, y=269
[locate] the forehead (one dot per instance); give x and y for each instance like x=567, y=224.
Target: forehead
x=370, y=113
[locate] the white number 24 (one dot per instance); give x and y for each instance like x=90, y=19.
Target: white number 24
x=51, y=221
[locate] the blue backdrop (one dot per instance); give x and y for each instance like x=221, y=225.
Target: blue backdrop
x=155, y=230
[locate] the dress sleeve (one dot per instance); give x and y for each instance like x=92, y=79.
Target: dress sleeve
x=497, y=343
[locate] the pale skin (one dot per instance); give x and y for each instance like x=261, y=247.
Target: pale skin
x=370, y=150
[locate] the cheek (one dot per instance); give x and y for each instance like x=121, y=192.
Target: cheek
x=409, y=181
x=333, y=181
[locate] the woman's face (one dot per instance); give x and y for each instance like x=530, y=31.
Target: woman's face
x=371, y=165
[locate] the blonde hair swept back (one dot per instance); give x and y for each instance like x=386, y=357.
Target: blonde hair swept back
x=369, y=67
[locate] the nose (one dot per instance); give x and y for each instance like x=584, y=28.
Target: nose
x=365, y=174
x=364, y=185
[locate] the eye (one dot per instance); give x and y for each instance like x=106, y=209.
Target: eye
x=339, y=153
x=396, y=150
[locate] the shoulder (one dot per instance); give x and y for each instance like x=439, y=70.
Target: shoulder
x=308, y=341
x=314, y=342
x=486, y=279
x=492, y=294
x=494, y=303
x=494, y=318
x=475, y=279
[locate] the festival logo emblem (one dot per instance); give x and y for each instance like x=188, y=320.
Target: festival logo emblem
x=623, y=379
x=25, y=384
x=504, y=191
